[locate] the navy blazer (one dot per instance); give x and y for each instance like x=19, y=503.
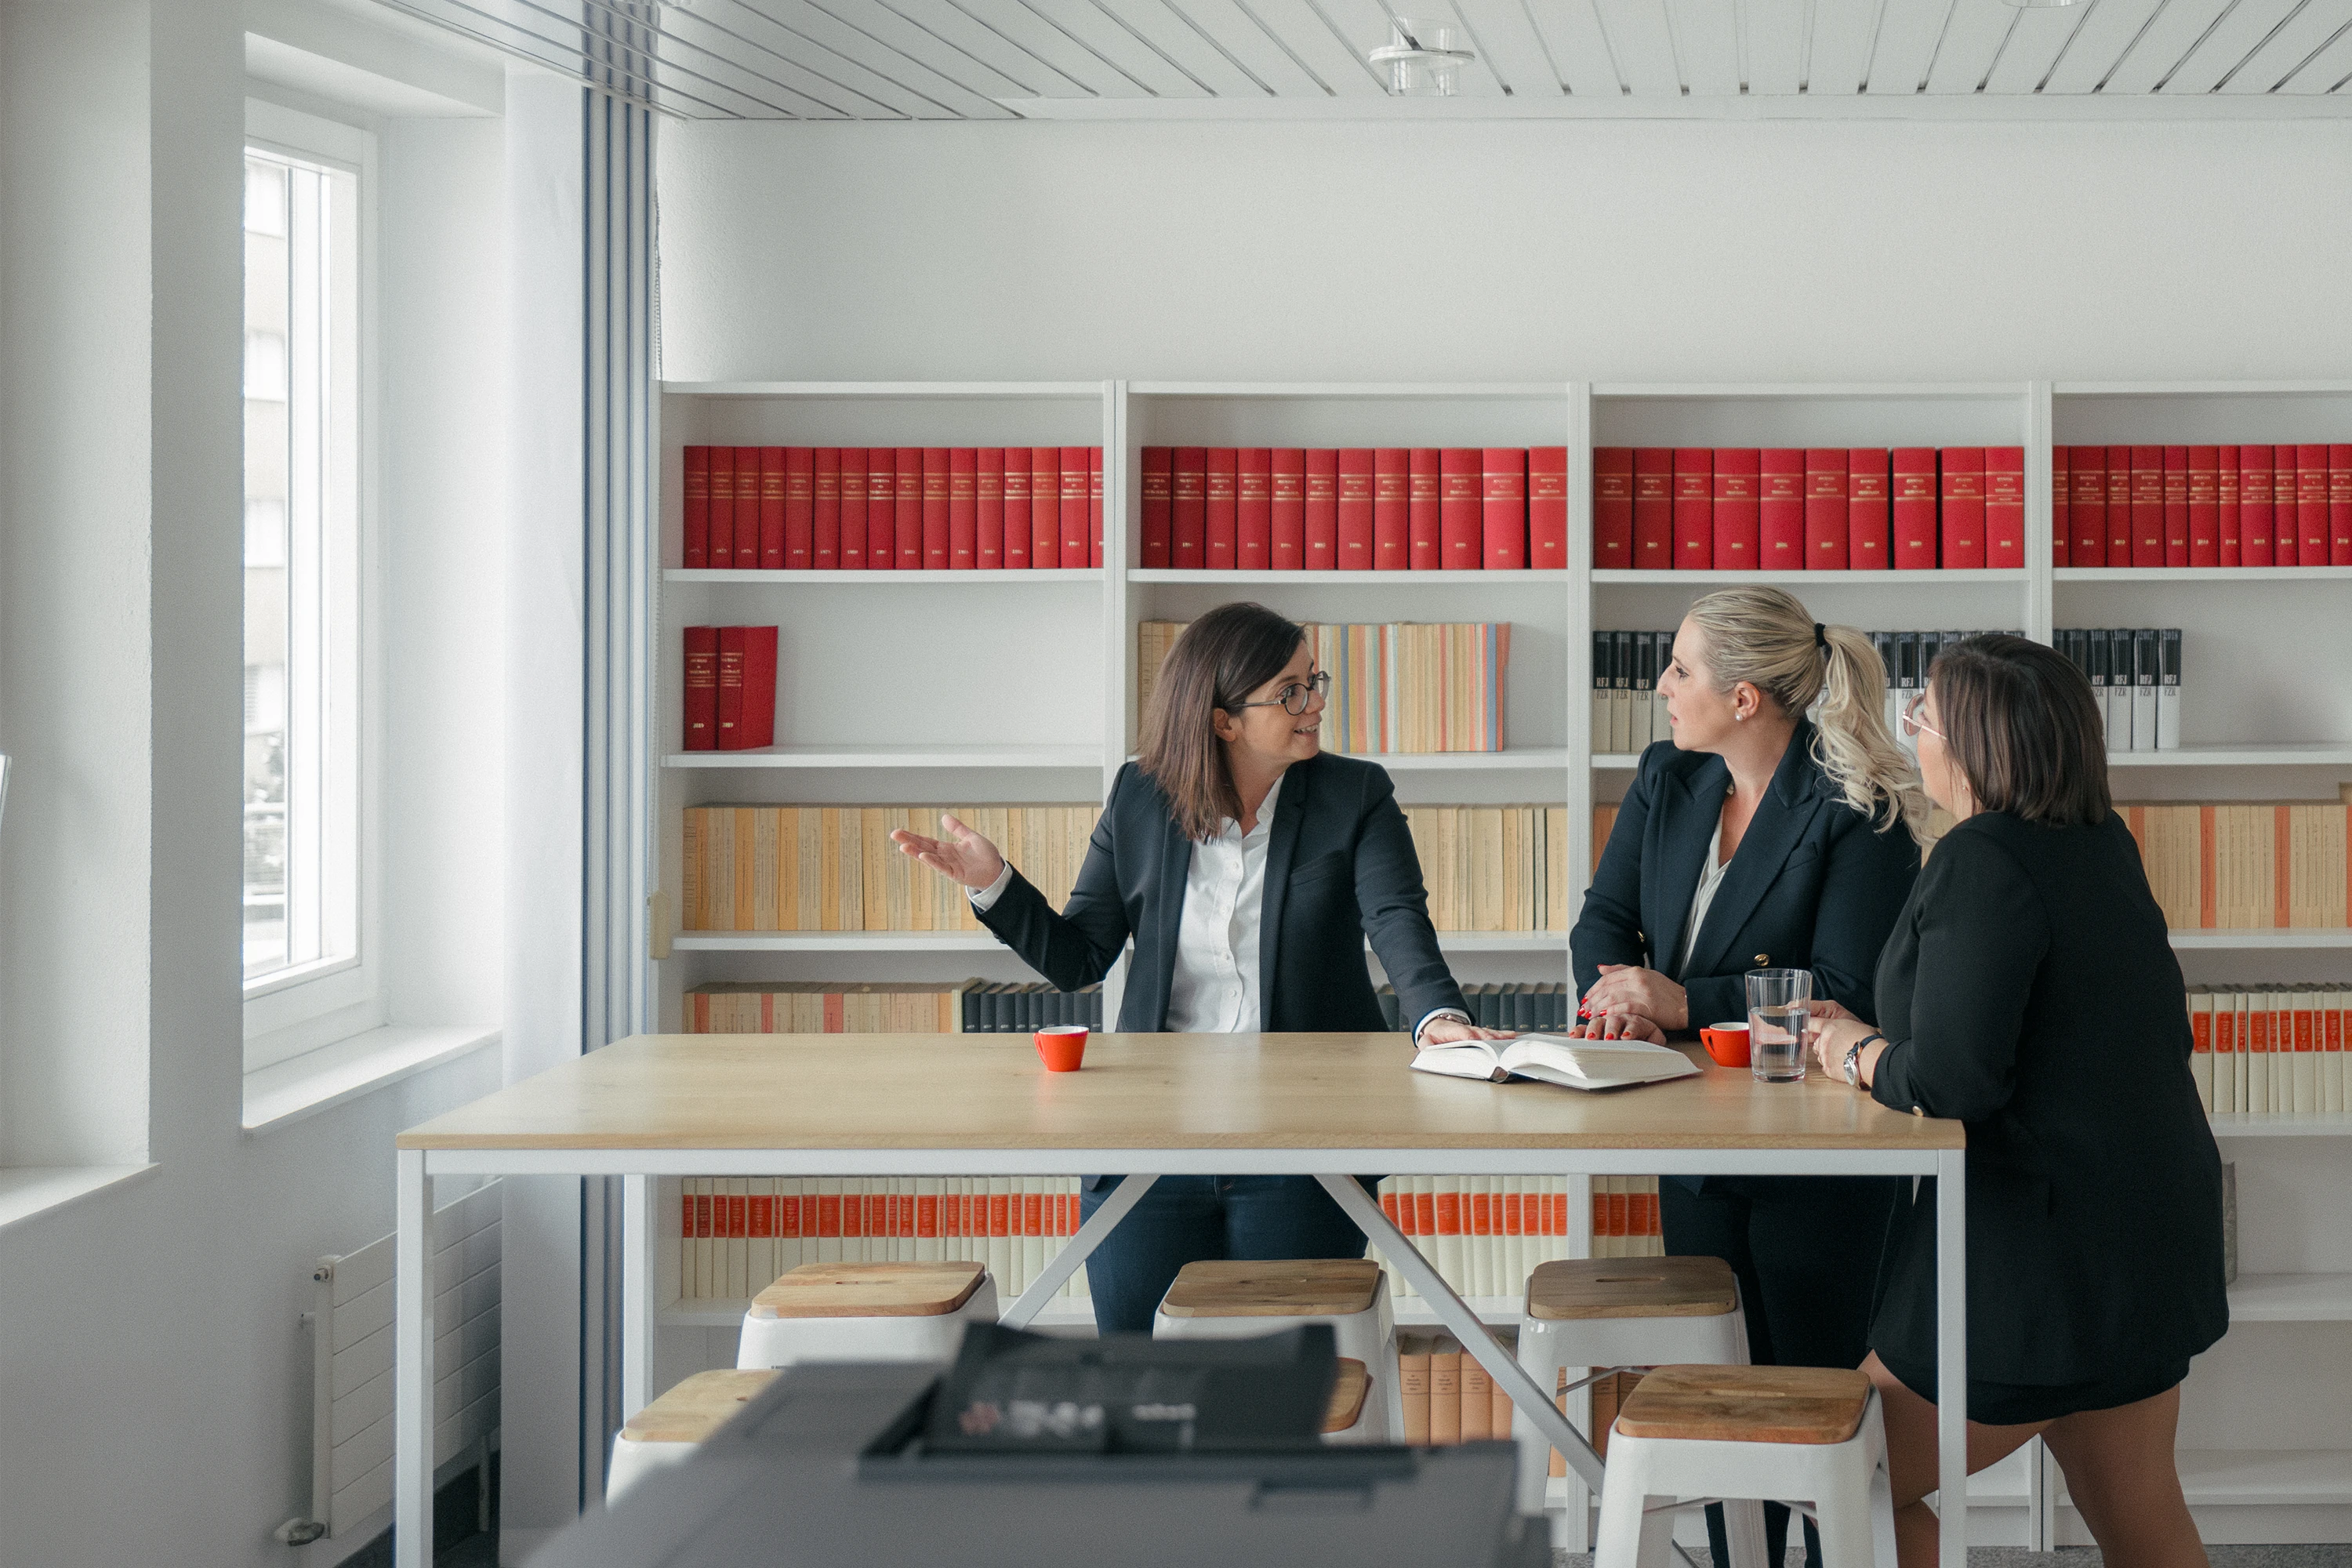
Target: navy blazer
x=1340, y=867
x=1814, y=885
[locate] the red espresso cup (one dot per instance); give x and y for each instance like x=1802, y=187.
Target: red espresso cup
x=1726, y=1043
x=1063, y=1048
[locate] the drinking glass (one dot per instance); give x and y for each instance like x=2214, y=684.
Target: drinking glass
x=1777, y=1003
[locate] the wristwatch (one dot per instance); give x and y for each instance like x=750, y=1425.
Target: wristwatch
x=1853, y=1057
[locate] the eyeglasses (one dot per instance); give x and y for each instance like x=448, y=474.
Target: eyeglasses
x=1912, y=723
x=1293, y=698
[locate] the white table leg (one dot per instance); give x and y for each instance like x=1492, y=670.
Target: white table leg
x=637, y=1294
x=411, y=1527
x=1530, y=1396
x=1065, y=1262
x=1952, y=1354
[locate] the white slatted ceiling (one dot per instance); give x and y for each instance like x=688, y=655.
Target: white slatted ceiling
x=890, y=60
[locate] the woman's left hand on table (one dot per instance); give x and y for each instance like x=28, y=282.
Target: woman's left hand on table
x=1630, y=988
x=1831, y=1039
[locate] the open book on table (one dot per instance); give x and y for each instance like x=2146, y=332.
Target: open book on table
x=1556, y=1058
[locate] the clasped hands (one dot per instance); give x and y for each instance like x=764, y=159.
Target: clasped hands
x=1629, y=1002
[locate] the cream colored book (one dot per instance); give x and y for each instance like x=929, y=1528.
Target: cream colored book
x=1570, y=1062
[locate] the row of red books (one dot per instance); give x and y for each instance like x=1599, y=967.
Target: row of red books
x=1796, y=509
x=1355, y=509
x=2202, y=505
x=883, y=509
x=730, y=687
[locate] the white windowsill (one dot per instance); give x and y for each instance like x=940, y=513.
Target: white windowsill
x=28, y=1191
x=320, y=1079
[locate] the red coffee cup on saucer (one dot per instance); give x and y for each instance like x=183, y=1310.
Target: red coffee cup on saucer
x=1726, y=1043
x=1064, y=1047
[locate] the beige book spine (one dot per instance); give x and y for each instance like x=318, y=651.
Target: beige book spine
x=763, y=869
x=691, y=871
x=1413, y=1386
x=1477, y=1402
x=1446, y=1391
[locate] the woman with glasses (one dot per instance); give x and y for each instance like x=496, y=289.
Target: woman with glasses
x=2030, y=991
x=1249, y=867
x=1776, y=829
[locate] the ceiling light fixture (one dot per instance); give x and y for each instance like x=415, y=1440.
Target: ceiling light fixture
x=1423, y=60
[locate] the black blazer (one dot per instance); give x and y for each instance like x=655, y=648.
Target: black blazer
x=1814, y=885
x=1340, y=867
x=2030, y=991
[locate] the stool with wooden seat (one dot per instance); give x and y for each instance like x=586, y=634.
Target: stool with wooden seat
x=865, y=1311
x=665, y=1432
x=1797, y=1434
x=1604, y=1314
x=1239, y=1301
x=1343, y=1418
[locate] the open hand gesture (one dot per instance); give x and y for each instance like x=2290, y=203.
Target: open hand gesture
x=961, y=856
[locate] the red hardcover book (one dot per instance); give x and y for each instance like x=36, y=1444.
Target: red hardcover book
x=907, y=510
x=721, y=540
x=824, y=511
x=799, y=542
x=1503, y=512
x=1963, y=520
x=1914, y=509
x=747, y=688
x=2225, y=463
x=747, y=509
x=881, y=509
x=2254, y=505
x=2148, y=506
x=1287, y=508
x=1018, y=507
x=1355, y=543
x=1159, y=476
x=854, y=507
x=2119, y=499
x=2204, y=506
x=1044, y=508
x=1736, y=495
x=2062, y=505
x=1653, y=508
x=1612, y=509
x=2340, y=504
x=1424, y=536
x=1548, y=509
x=1391, y=532
x=1077, y=509
x=963, y=508
x=2176, y=506
x=2005, y=506
x=2087, y=469
x=934, y=529
x=694, y=548
x=988, y=508
x=1780, y=510
x=2311, y=504
x=701, y=688
x=1869, y=506
x=1322, y=516
x=1694, y=509
x=1188, y=510
x=1094, y=506
x=1224, y=509
x=1461, y=525
x=1254, y=509
x=773, y=475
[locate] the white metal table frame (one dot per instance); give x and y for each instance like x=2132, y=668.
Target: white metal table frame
x=414, y=1370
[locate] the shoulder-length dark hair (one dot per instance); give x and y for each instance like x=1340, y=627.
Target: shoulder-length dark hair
x=1217, y=662
x=2021, y=725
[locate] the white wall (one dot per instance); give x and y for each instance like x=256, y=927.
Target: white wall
x=1538, y=250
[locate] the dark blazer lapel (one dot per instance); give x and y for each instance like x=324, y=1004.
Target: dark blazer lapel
x=1282, y=839
x=1175, y=864
x=1780, y=820
x=1693, y=802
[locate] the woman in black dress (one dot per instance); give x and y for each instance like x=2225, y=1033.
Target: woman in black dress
x=2030, y=992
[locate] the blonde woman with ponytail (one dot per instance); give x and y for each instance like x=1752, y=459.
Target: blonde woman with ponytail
x=1778, y=829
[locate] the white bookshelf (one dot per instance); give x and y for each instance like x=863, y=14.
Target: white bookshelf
x=979, y=688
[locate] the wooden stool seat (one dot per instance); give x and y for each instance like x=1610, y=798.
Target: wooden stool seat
x=869, y=1291
x=1305, y=1288
x=696, y=1407
x=1349, y=1389
x=1747, y=1403
x=1632, y=1288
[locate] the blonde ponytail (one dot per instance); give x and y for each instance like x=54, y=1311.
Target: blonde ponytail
x=1766, y=637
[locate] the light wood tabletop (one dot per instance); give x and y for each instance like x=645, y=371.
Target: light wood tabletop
x=1136, y=1091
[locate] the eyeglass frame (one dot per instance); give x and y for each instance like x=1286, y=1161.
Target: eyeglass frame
x=1908, y=717
x=1316, y=684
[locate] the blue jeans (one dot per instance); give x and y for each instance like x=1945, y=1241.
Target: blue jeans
x=1187, y=1219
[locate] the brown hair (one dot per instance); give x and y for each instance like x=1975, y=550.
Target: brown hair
x=2021, y=724
x=1217, y=662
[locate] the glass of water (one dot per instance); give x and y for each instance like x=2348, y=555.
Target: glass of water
x=1777, y=1003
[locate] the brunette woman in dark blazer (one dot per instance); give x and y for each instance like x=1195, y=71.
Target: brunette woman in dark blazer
x=1249, y=867
x=1761, y=838
x=2030, y=991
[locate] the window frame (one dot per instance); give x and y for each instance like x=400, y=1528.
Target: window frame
x=301, y=1008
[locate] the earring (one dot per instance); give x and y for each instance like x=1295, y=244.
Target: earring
x=1739, y=718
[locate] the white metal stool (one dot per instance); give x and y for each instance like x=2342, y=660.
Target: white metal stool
x=1607, y=1313
x=1800, y=1435
x=865, y=1311
x=1240, y=1300
x=665, y=1432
